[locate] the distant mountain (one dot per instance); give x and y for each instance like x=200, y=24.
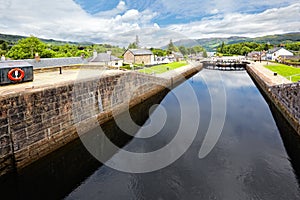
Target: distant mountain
x=211, y=44
x=12, y=39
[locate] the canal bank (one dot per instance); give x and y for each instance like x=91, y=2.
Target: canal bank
x=232, y=170
x=282, y=92
x=39, y=120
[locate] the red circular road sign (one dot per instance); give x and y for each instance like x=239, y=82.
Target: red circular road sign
x=16, y=74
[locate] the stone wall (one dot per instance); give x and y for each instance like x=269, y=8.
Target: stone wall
x=289, y=96
x=137, y=59
x=285, y=98
x=35, y=123
x=128, y=57
x=142, y=59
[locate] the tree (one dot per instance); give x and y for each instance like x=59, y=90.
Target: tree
x=48, y=53
x=245, y=50
x=132, y=46
x=222, y=47
x=4, y=46
x=158, y=52
x=172, y=47
x=183, y=50
x=204, y=54
x=197, y=49
x=26, y=48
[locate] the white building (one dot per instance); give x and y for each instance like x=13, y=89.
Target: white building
x=273, y=54
x=162, y=60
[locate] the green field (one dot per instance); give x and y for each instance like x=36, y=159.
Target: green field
x=285, y=70
x=158, y=69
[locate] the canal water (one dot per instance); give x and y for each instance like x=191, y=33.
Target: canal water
x=256, y=156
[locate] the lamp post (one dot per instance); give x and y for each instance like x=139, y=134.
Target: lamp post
x=260, y=56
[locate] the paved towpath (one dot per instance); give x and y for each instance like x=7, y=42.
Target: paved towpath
x=52, y=79
x=268, y=75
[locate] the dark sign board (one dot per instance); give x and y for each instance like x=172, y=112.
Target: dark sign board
x=12, y=72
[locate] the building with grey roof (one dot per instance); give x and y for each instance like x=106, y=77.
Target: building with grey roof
x=105, y=59
x=138, y=56
x=273, y=54
x=55, y=62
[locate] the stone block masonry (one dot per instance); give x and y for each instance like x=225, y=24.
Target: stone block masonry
x=286, y=97
x=36, y=122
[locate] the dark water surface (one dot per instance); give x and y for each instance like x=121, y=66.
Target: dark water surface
x=252, y=159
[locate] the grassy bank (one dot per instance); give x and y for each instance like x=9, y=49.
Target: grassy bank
x=158, y=69
x=285, y=70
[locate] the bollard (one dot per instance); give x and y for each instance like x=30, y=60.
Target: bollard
x=60, y=70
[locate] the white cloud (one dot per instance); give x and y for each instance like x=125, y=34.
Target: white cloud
x=278, y=20
x=131, y=15
x=64, y=19
x=121, y=7
x=214, y=11
x=196, y=8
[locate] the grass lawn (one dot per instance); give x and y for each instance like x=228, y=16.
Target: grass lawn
x=158, y=69
x=285, y=70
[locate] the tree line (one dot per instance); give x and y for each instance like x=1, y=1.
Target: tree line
x=27, y=48
x=182, y=49
x=244, y=48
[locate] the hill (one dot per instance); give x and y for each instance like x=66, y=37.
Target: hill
x=210, y=44
x=12, y=39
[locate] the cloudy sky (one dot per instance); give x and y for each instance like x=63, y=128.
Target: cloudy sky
x=155, y=21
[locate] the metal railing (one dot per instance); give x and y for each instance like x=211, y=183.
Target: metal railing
x=290, y=77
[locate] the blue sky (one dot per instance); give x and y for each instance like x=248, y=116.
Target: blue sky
x=155, y=21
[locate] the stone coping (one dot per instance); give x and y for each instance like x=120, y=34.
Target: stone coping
x=268, y=75
x=54, y=79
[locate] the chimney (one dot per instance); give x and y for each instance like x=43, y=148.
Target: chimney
x=95, y=54
x=37, y=57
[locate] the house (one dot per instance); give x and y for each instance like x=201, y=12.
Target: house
x=257, y=55
x=176, y=56
x=273, y=54
x=105, y=59
x=162, y=60
x=138, y=56
x=283, y=59
x=197, y=57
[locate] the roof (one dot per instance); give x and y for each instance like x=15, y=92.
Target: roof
x=253, y=53
x=140, y=52
x=276, y=49
x=290, y=57
x=104, y=57
x=14, y=64
x=177, y=54
x=55, y=62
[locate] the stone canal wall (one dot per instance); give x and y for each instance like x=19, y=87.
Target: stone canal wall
x=286, y=97
x=37, y=122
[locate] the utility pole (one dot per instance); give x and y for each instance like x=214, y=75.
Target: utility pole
x=137, y=42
